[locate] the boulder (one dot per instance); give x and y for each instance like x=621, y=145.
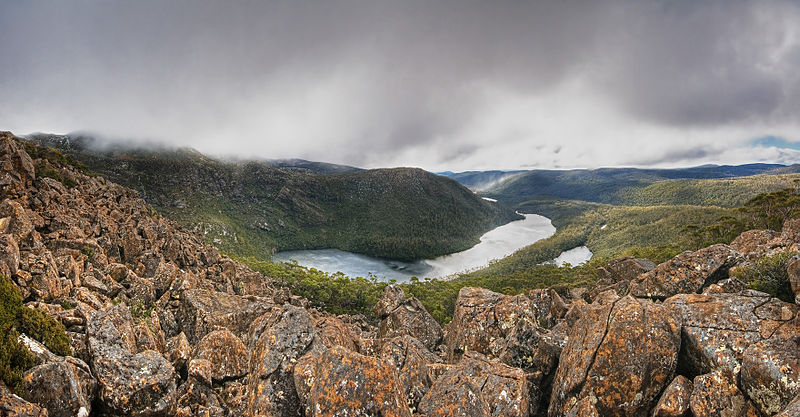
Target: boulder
x=481, y=317
x=454, y=395
x=534, y=349
x=331, y=331
x=686, y=273
x=227, y=354
x=410, y=358
x=506, y=391
x=196, y=398
x=717, y=328
x=584, y=408
x=136, y=384
x=12, y=405
x=548, y=307
x=623, y=353
x=203, y=311
x=9, y=255
x=287, y=336
x=674, y=402
x=65, y=388
x=792, y=410
x=623, y=269
x=715, y=395
x=770, y=374
x=754, y=244
x=201, y=371
x=406, y=316
x=340, y=382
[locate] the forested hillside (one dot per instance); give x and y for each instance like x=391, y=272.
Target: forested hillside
x=252, y=208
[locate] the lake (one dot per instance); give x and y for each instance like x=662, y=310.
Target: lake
x=495, y=244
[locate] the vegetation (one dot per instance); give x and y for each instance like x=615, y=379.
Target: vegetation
x=768, y=274
x=253, y=209
x=726, y=186
x=339, y=294
x=16, y=318
x=765, y=211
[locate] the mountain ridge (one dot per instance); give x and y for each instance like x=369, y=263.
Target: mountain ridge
x=252, y=208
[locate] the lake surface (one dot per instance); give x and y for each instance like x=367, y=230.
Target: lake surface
x=495, y=244
x=575, y=256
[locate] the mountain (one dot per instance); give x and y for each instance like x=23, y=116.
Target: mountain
x=252, y=208
x=481, y=180
x=310, y=167
x=108, y=309
x=604, y=185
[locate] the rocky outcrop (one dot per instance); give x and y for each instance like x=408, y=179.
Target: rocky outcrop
x=476, y=384
x=406, y=316
x=482, y=319
x=340, y=382
x=64, y=387
x=12, y=405
x=717, y=328
x=162, y=325
x=130, y=383
x=674, y=402
x=600, y=361
x=715, y=394
x=686, y=273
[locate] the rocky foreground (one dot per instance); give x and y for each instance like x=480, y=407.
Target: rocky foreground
x=162, y=325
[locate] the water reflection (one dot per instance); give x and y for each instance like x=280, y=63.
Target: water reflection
x=495, y=244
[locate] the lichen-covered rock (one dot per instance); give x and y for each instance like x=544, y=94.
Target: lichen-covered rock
x=548, y=307
x=771, y=370
x=531, y=348
x=12, y=405
x=623, y=269
x=136, y=384
x=674, y=402
x=201, y=370
x=481, y=317
x=584, y=408
x=406, y=316
x=411, y=359
x=717, y=328
x=454, y=395
x=686, y=273
x=287, y=336
x=506, y=391
x=65, y=388
x=623, y=353
x=715, y=395
x=227, y=354
x=792, y=410
x=196, y=398
x=340, y=382
x=754, y=244
x=332, y=331
x=203, y=311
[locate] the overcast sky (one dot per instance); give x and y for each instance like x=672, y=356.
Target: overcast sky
x=441, y=85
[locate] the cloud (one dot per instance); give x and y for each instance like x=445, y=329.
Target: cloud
x=442, y=85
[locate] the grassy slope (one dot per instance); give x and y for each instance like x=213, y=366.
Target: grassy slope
x=252, y=208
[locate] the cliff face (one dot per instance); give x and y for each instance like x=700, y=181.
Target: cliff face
x=160, y=324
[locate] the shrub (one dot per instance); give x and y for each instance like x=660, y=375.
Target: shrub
x=15, y=318
x=768, y=275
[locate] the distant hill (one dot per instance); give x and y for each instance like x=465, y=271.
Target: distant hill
x=253, y=208
x=605, y=185
x=481, y=180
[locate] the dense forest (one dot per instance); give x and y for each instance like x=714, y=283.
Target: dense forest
x=252, y=208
